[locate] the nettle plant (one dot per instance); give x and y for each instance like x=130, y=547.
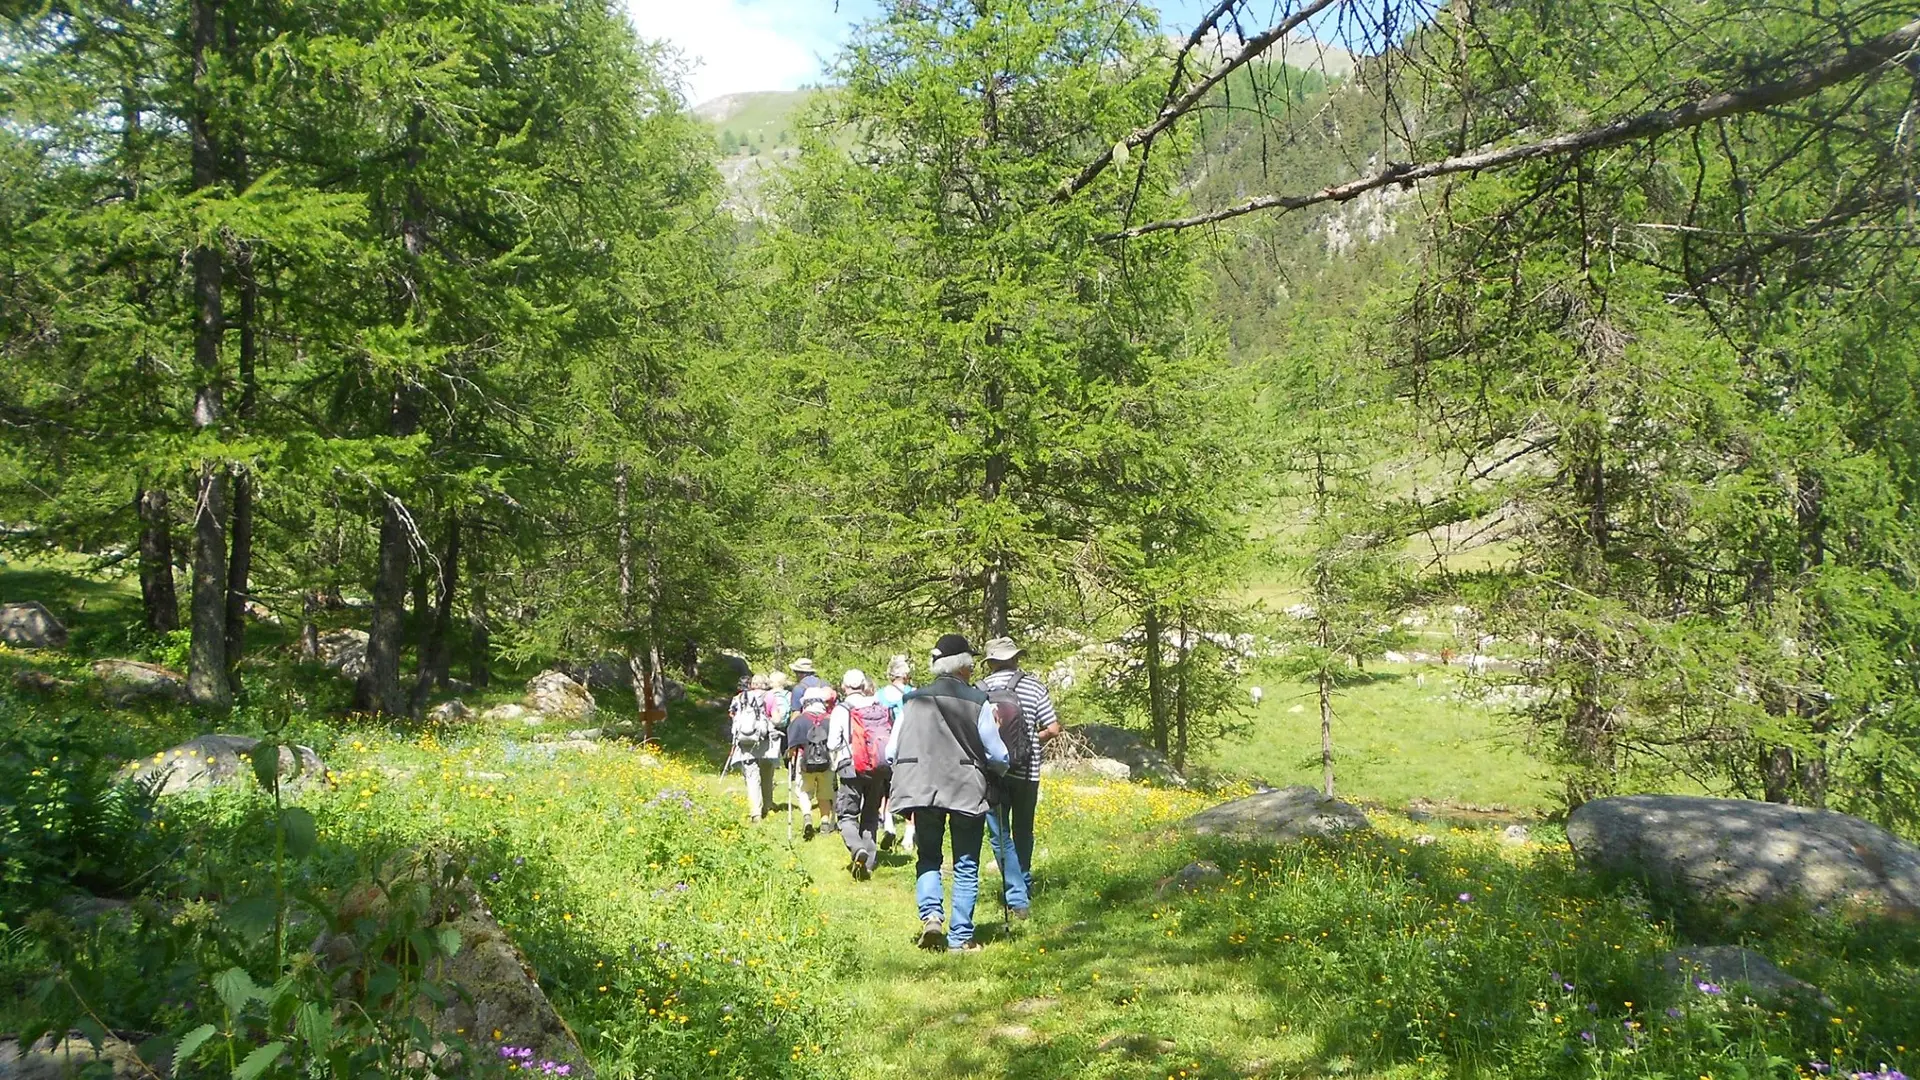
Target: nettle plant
x=233, y=993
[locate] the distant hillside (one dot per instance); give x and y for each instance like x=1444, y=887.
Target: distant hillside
x=755, y=123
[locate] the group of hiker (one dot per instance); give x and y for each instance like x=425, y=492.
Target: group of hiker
x=952, y=761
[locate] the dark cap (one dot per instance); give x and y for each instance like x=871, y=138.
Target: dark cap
x=951, y=645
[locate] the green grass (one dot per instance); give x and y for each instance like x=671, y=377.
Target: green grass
x=769, y=119
x=1394, y=741
x=681, y=941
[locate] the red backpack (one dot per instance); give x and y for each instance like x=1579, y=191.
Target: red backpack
x=868, y=729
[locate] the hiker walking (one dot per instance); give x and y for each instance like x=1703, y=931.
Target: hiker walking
x=944, y=748
x=756, y=745
x=1026, y=721
x=804, y=680
x=858, y=732
x=893, y=695
x=809, y=759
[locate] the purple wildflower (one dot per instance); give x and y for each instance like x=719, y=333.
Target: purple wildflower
x=1466, y=898
x=1710, y=989
x=1820, y=1067
x=1673, y=1014
x=1586, y=1037
x=1568, y=987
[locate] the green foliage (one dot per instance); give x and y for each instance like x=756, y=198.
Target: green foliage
x=64, y=822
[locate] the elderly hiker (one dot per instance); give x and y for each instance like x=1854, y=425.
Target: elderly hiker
x=1027, y=722
x=945, y=748
x=756, y=745
x=809, y=759
x=858, y=732
x=804, y=680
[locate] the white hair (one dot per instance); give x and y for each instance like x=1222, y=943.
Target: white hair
x=953, y=665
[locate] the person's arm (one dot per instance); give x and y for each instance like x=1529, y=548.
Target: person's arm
x=837, y=737
x=989, y=726
x=1047, y=726
x=893, y=738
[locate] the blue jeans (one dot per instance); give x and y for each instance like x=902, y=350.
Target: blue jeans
x=930, y=827
x=1012, y=829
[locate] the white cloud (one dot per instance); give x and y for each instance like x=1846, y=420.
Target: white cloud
x=733, y=46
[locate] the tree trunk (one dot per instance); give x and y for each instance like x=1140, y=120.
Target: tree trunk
x=1180, y=700
x=479, y=670
x=240, y=563
x=1156, y=677
x=309, y=630
x=156, y=561
x=1326, y=731
x=435, y=661
x=380, y=690
x=1810, y=516
x=995, y=594
x=207, y=684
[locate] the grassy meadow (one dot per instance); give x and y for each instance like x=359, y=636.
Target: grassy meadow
x=680, y=940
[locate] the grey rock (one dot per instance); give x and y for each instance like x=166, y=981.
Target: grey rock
x=1143, y=761
x=1093, y=766
x=591, y=734
x=35, y=681
x=1289, y=814
x=497, y=989
x=1194, y=875
x=1033, y=1006
x=29, y=625
x=508, y=713
x=71, y=1056
x=1733, y=851
x=582, y=746
x=1013, y=1032
x=128, y=681
x=202, y=763
x=1515, y=834
x=1136, y=1044
x=1721, y=966
x=345, y=652
x=553, y=694
x=449, y=712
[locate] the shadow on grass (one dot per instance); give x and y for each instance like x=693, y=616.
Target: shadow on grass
x=1376, y=953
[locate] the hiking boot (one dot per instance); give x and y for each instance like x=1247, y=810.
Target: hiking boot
x=969, y=947
x=933, y=932
x=807, y=833
x=858, y=867
x=889, y=840
x=1019, y=914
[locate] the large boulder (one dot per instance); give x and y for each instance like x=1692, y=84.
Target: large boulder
x=57, y=1057
x=556, y=696
x=128, y=681
x=1286, y=815
x=1712, y=969
x=1119, y=744
x=344, y=651
x=202, y=763
x=613, y=672
x=30, y=625
x=1735, y=852
x=497, y=988
x=1104, y=767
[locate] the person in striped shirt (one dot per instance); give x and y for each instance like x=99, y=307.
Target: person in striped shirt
x=1022, y=787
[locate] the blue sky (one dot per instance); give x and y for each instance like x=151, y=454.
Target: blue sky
x=734, y=46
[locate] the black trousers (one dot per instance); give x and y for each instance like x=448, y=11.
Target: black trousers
x=857, y=808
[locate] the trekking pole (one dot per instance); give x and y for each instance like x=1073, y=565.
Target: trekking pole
x=789, y=804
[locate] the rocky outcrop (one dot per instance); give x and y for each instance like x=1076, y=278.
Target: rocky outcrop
x=344, y=651
x=1719, y=852
x=29, y=625
x=1286, y=815
x=449, y=712
x=209, y=760
x=509, y=713
x=72, y=1055
x=556, y=696
x=1195, y=875
x=128, y=681
x=1118, y=744
x=496, y=988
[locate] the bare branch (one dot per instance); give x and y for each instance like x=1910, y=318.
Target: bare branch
x=1890, y=49
x=1177, y=107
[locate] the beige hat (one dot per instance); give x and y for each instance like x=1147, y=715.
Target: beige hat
x=1003, y=648
x=803, y=665
x=855, y=679
x=899, y=667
